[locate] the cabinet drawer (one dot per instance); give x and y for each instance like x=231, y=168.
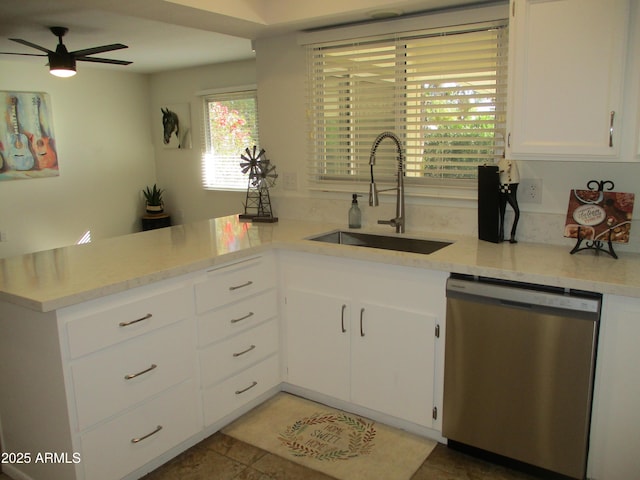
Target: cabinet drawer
x=232, y=283
x=133, y=317
x=114, y=379
x=225, y=397
x=109, y=451
x=217, y=324
x=226, y=358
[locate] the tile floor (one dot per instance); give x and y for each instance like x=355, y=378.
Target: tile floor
x=221, y=457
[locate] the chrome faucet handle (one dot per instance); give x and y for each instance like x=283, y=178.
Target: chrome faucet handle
x=397, y=223
x=391, y=222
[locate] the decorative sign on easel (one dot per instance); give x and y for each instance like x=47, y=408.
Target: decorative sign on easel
x=599, y=217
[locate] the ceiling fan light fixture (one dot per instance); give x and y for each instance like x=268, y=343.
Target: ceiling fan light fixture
x=62, y=65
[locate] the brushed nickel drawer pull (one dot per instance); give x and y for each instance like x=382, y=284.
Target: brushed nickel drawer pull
x=241, y=286
x=134, y=375
x=253, y=384
x=244, y=351
x=131, y=322
x=344, y=307
x=361, y=321
x=236, y=320
x=139, y=439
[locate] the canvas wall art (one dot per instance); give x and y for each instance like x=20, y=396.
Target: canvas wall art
x=176, y=125
x=27, y=140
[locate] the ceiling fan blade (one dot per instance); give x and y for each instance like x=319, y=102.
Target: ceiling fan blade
x=26, y=54
x=102, y=49
x=103, y=60
x=29, y=44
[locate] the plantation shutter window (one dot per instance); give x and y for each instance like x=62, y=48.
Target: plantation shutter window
x=230, y=126
x=442, y=91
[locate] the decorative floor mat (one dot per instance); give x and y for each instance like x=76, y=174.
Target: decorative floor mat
x=331, y=441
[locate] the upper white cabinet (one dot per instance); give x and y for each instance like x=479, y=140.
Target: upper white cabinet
x=566, y=67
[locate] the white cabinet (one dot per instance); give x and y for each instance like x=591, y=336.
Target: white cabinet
x=615, y=428
x=132, y=368
x=393, y=361
x=365, y=334
x=116, y=378
x=318, y=339
x=238, y=335
x=566, y=78
x=128, y=380
x=110, y=381
x=126, y=442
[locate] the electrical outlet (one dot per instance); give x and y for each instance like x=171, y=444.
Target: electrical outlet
x=530, y=190
x=3, y=236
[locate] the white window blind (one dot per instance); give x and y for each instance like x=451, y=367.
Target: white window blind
x=230, y=126
x=442, y=91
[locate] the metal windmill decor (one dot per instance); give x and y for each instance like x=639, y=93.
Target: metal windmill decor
x=262, y=176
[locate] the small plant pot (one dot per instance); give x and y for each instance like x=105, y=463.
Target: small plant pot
x=154, y=209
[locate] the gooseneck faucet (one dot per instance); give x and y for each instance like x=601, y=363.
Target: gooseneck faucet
x=399, y=221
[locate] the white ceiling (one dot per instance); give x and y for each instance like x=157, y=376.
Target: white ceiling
x=170, y=34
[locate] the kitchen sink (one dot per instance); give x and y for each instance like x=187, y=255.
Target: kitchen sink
x=401, y=244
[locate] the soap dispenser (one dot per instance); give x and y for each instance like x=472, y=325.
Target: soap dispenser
x=355, y=216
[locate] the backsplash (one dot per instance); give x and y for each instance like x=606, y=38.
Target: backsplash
x=533, y=227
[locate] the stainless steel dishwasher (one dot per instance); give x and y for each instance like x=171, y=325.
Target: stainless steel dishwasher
x=519, y=362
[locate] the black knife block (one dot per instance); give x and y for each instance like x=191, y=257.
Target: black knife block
x=488, y=203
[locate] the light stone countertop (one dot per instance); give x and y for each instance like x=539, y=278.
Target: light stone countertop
x=53, y=279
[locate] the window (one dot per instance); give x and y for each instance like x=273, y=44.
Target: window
x=230, y=126
x=442, y=91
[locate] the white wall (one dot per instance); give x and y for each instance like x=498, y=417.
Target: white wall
x=103, y=141
x=179, y=171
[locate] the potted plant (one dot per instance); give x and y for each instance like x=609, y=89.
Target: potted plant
x=153, y=197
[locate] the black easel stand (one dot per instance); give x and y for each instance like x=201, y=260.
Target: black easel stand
x=596, y=245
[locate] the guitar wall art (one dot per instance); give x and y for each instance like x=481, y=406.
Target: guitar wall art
x=27, y=141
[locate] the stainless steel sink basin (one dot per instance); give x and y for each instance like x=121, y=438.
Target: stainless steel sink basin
x=401, y=244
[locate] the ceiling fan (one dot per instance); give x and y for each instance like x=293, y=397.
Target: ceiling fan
x=62, y=63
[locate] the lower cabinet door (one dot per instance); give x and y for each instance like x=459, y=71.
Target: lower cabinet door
x=392, y=362
x=231, y=394
x=318, y=332
x=120, y=446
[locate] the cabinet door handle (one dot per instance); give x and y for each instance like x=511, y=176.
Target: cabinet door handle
x=253, y=384
x=612, y=116
x=131, y=322
x=244, y=351
x=344, y=307
x=146, y=370
x=236, y=287
x=361, y=322
x=139, y=439
x=236, y=320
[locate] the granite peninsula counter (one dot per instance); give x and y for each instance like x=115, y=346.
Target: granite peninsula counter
x=52, y=279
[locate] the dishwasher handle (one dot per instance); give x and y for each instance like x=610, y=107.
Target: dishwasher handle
x=517, y=295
